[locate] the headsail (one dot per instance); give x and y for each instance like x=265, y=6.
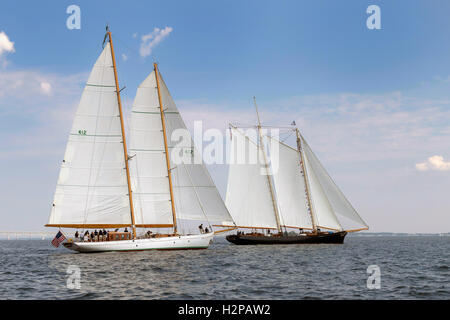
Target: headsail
x=335, y=198
x=322, y=210
x=92, y=186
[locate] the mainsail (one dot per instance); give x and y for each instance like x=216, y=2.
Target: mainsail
x=92, y=189
x=195, y=195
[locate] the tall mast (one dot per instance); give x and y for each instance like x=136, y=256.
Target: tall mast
x=305, y=176
x=275, y=207
x=163, y=122
x=125, y=153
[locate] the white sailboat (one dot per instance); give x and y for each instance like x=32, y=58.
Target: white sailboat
x=300, y=195
x=104, y=185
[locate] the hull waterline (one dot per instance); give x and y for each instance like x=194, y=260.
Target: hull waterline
x=243, y=239
x=186, y=242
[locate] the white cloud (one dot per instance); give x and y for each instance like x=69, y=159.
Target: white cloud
x=434, y=163
x=46, y=88
x=422, y=166
x=6, y=45
x=124, y=57
x=149, y=41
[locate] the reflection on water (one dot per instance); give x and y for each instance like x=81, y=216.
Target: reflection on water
x=411, y=268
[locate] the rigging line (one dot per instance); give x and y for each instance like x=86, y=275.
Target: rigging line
x=196, y=195
x=290, y=134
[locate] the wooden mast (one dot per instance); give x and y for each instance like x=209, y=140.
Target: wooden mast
x=125, y=153
x=308, y=195
x=275, y=208
x=163, y=122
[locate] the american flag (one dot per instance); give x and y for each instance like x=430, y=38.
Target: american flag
x=58, y=239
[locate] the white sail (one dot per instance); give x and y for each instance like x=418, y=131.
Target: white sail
x=92, y=184
x=336, y=199
x=248, y=195
x=148, y=168
x=322, y=210
x=290, y=188
x=195, y=194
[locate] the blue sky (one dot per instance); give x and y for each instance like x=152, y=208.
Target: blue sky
x=373, y=104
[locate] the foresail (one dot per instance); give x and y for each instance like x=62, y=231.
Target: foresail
x=248, y=195
x=92, y=185
x=195, y=194
x=148, y=168
x=339, y=203
x=322, y=210
x=290, y=187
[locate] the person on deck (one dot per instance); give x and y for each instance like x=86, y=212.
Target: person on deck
x=76, y=235
x=92, y=236
x=200, y=227
x=126, y=230
x=206, y=230
x=100, y=235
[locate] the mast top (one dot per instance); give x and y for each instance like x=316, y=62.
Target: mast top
x=257, y=113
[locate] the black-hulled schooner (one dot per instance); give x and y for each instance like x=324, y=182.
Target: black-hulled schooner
x=296, y=203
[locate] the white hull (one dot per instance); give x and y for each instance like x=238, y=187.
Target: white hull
x=197, y=241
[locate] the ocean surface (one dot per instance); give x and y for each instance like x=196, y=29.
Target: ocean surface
x=410, y=268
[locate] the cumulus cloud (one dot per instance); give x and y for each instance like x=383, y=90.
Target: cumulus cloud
x=434, y=163
x=149, y=41
x=6, y=46
x=124, y=57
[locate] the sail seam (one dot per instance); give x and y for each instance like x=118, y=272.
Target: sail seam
x=99, y=85
x=151, y=112
x=95, y=135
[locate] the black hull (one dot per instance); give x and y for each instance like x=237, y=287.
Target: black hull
x=243, y=239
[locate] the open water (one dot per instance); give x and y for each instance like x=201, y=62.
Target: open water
x=410, y=268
